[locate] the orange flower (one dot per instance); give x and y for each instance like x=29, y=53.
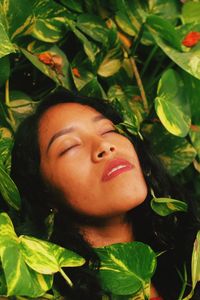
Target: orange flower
x=76, y=72
x=46, y=58
x=191, y=39
x=52, y=60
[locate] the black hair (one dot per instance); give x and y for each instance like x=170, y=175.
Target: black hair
x=163, y=234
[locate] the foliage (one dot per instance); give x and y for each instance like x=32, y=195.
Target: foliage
x=144, y=57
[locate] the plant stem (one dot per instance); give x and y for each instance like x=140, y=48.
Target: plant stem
x=149, y=58
x=140, y=33
x=139, y=83
x=66, y=277
x=7, y=102
x=184, y=278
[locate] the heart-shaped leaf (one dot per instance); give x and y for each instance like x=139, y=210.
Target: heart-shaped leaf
x=47, y=258
x=171, y=104
x=20, y=279
x=130, y=264
x=167, y=206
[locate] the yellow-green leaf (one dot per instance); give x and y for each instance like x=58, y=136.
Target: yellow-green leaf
x=167, y=206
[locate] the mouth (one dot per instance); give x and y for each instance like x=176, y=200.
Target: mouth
x=116, y=167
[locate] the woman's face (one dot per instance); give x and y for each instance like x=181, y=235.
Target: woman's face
x=95, y=168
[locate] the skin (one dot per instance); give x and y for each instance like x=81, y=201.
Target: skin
x=73, y=162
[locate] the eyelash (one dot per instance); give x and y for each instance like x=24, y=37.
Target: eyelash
x=66, y=150
x=110, y=131
x=73, y=146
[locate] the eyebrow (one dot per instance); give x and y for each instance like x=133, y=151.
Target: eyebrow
x=70, y=129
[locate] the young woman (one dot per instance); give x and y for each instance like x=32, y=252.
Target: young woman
x=68, y=158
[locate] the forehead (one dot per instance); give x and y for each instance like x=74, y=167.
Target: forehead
x=67, y=113
x=64, y=115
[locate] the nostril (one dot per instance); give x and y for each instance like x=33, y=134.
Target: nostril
x=112, y=149
x=101, y=154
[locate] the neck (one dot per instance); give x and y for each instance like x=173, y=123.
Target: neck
x=107, y=232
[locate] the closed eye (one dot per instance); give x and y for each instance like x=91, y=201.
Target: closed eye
x=68, y=149
x=110, y=131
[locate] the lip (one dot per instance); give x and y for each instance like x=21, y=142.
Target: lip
x=116, y=167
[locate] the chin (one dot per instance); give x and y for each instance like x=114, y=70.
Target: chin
x=134, y=199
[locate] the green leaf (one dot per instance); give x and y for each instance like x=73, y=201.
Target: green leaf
x=93, y=89
x=121, y=98
x=9, y=190
x=21, y=105
x=167, y=206
x=94, y=27
x=50, y=21
x=130, y=94
x=188, y=61
x=61, y=74
x=195, y=266
x=196, y=261
x=6, y=45
x=167, y=9
x=4, y=69
x=6, y=144
x=195, y=138
x=85, y=70
x=47, y=258
x=90, y=48
x=176, y=153
x=20, y=279
x=3, y=288
x=130, y=264
x=165, y=30
x=17, y=19
x=129, y=16
x=171, y=104
x=110, y=65
x=73, y=5
x=191, y=12
x=192, y=91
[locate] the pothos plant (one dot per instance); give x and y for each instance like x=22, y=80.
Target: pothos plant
x=144, y=57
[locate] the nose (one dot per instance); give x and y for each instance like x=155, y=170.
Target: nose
x=102, y=150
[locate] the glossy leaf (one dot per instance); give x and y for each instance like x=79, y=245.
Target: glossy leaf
x=122, y=100
x=191, y=12
x=9, y=190
x=73, y=5
x=176, y=153
x=188, y=61
x=109, y=65
x=49, y=21
x=6, y=144
x=20, y=279
x=131, y=264
x=90, y=48
x=171, y=104
x=82, y=70
x=165, y=30
x=167, y=9
x=47, y=258
x=3, y=287
x=61, y=77
x=192, y=91
x=93, y=89
x=129, y=16
x=167, y=206
x=196, y=261
x=6, y=46
x=195, y=138
x=21, y=105
x=17, y=19
x=94, y=27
